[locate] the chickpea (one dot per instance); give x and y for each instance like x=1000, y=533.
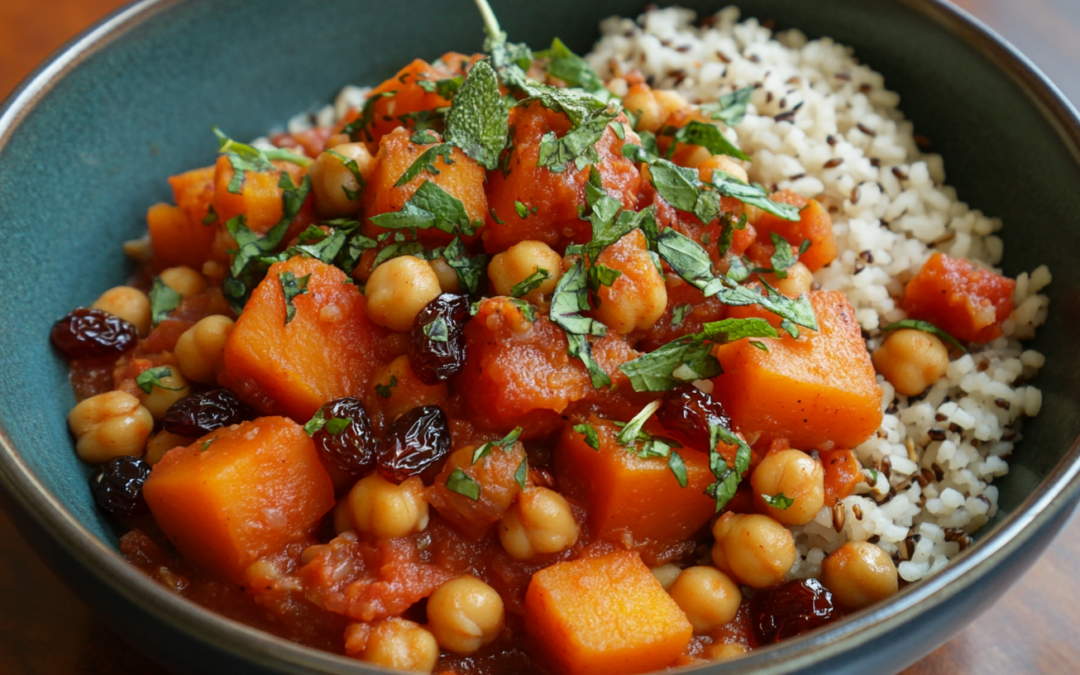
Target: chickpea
x=799, y=280
x=708, y=596
x=183, y=280
x=637, y=299
x=396, y=390
x=799, y=477
x=725, y=650
x=725, y=164
x=164, y=392
x=641, y=101
x=465, y=614
x=162, y=442
x=539, y=521
x=130, y=304
x=448, y=278
x=753, y=549
x=516, y=263
x=381, y=509
x=109, y=425
x=398, y=289
x=666, y=574
x=670, y=100
x=911, y=360
x=337, y=191
x=859, y=574
x=200, y=351
x=401, y=644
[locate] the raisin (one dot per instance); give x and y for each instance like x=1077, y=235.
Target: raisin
x=352, y=448
x=686, y=412
x=91, y=333
x=117, y=486
x=437, y=349
x=416, y=444
x=792, y=609
x=199, y=414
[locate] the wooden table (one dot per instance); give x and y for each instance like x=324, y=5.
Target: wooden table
x=45, y=630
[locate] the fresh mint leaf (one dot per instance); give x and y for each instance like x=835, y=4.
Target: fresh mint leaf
x=730, y=330
x=469, y=269
x=727, y=236
x=759, y=345
x=731, y=108
x=526, y=309
x=727, y=478
x=292, y=287
x=354, y=169
x=579, y=347
x=358, y=129
x=477, y=121
x=336, y=425
x=570, y=68
x=678, y=315
x=689, y=260
x=571, y=297
x=446, y=87
x=522, y=210
x=424, y=137
x=463, y=484
x=244, y=157
x=530, y=283
x=211, y=216
x=629, y=434
x=783, y=256
x=317, y=421
x=926, y=327
x=430, y=206
x=677, y=185
x=152, y=377
x=602, y=275
x=323, y=247
x=794, y=311
x=163, y=300
x=574, y=144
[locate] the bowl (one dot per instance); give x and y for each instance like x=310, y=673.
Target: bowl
x=87, y=141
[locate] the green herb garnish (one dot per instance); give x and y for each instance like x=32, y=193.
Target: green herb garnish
x=530, y=283
x=504, y=444
x=926, y=327
x=779, y=501
x=592, y=439
x=462, y=483
x=384, y=390
x=429, y=207
x=292, y=287
x=437, y=330
x=477, y=121
x=163, y=300
x=152, y=377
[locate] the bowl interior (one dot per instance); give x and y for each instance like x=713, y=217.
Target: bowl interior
x=80, y=169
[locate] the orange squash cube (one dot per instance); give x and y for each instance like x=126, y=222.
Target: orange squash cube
x=328, y=350
x=239, y=494
x=814, y=225
x=819, y=392
x=605, y=616
x=628, y=497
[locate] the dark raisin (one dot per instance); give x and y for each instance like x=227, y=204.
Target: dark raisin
x=201, y=413
x=416, y=444
x=352, y=448
x=437, y=349
x=117, y=486
x=792, y=609
x=91, y=333
x=686, y=412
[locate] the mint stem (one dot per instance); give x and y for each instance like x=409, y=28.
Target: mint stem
x=491, y=24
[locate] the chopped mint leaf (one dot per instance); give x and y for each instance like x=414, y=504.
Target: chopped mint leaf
x=727, y=478
x=629, y=433
x=358, y=129
x=709, y=137
x=526, y=309
x=425, y=137
x=336, y=425
x=678, y=467
x=522, y=210
x=354, y=169
x=678, y=315
x=463, y=484
x=727, y=236
x=530, y=283
x=496, y=217
x=570, y=299
x=152, y=377
x=926, y=327
x=469, y=269
x=760, y=345
x=384, y=390
x=446, y=88
x=592, y=439
x=206, y=445
x=163, y=300
x=426, y=162
x=522, y=473
x=783, y=256
x=602, y=275
x=292, y=287
x=322, y=247
x=244, y=157
x=730, y=186
x=318, y=421
x=211, y=216
x=430, y=206
x=437, y=330
x=689, y=260
x=778, y=501
x=504, y=444
x=477, y=121
x=677, y=185
x=731, y=108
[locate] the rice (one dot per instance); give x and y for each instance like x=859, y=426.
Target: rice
x=824, y=126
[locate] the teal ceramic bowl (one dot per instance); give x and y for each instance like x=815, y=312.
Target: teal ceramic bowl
x=87, y=142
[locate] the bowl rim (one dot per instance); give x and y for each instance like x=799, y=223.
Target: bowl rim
x=1055, y=493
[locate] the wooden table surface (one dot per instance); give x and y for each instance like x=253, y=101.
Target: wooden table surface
x=45, y=630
